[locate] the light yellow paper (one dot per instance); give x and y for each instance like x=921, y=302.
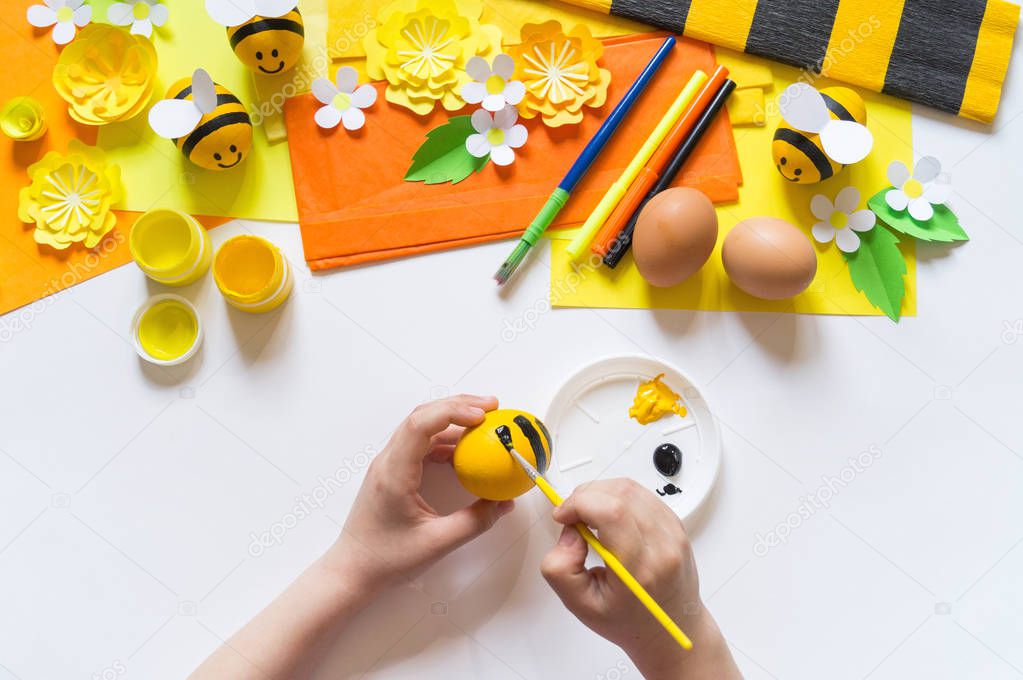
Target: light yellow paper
x=157, y=175
x=765, y=192
x=351, y=20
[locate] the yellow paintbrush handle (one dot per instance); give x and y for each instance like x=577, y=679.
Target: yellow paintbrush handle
x=617, y=190
x=615, y=565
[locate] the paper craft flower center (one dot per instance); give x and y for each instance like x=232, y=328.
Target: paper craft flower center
x=555, y=73
x=495, y=84
x=913, y=188
x=342, y=101
x=140, y=10
x=71, y=197
x=495, y=136
x=65, y=14
x=427, y=39
x=839, y=220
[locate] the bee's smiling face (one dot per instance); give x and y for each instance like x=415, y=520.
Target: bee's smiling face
x=271, y=52
x=224, y=149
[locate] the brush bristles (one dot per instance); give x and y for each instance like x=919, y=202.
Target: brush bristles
x=512, y=263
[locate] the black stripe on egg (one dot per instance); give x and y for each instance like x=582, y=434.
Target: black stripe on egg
x=211, y=126
x=800, y=142
x=535, y=442
x=247, y=30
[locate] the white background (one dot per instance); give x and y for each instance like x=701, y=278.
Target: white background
x=129, y=495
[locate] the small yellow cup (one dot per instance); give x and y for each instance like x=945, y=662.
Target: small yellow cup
x=23, y=119
x=170, y=247
x=252, y=274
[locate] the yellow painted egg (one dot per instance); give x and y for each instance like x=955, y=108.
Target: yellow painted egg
x=223, y=137
x=269, y=45
x=483, y=464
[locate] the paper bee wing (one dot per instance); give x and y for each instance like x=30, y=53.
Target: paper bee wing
x=204, y=92
x=846, y=142
x=231, y=12
x=274, y=8
x=174, y=118
x=803, y=107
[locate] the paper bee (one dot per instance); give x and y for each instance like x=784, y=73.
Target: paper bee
x=207, y=123
x=823, y=132
x=266, y=35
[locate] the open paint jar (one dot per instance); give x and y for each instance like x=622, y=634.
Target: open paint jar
x=170, y=247
x=166, y=330
x=252, y=274
x=23, y=120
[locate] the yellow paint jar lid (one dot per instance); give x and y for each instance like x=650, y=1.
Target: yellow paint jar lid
x=166, y=330
x=22, y=119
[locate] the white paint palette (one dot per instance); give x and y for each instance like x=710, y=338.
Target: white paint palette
x=594, y=437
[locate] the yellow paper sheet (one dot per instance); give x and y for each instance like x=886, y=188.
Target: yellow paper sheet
x=156, y=174
x=765, y=192
x=351, y=20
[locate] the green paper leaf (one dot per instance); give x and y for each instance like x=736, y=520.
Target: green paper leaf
x=877, y=268
x=443, y=156
x=942, y=228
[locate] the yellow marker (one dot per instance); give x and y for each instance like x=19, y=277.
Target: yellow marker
x=612, y=562
x=617, y=190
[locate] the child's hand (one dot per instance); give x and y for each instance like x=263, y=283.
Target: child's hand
x=650, y=541
x=392, y=532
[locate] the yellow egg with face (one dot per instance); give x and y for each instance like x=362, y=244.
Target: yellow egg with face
x=269, y=45
x=223, y=137
x=799, y=156
x=483, y=464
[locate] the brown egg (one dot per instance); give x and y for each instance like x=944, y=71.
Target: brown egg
x=675, y=234
x=769, y=258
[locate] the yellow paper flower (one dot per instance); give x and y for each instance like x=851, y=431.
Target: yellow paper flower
x=420, y=47
x=560, y=72
x=71, y=196
x=106, y=75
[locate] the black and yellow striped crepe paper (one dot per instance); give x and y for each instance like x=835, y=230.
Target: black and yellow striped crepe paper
x=948, y=54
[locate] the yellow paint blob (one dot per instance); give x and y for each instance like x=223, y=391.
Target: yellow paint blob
x=163, y=241
x=484, y=466
x=168, y=330
x=245, y=265
x=654, y=400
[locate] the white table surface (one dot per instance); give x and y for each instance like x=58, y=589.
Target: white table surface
x=129, y=496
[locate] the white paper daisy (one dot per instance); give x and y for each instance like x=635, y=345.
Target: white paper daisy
x=918, y=192
x=343, y=102
x=496, y=135
x=142, y=15
x=66, y=17
x=492, y=86
x=839, y=221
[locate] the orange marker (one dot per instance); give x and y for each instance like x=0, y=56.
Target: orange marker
x=652, y=172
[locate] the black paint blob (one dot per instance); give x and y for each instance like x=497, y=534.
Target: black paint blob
x=668, y=459
x=669, y=490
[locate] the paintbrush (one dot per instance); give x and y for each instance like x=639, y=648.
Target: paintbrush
x=589, y=154
x=612, y=562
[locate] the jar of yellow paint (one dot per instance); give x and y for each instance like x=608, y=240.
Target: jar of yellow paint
x=166, y=330
x=23, y=120
x=252, y=274
x=170, y=247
